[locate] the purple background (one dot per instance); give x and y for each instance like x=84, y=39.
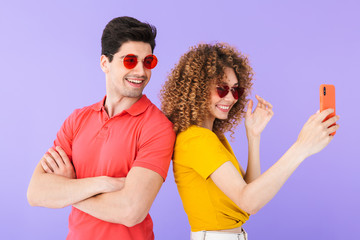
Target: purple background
x=50, y=53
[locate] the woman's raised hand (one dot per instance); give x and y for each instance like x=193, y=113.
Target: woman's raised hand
x=256, y=121
x=315, y=134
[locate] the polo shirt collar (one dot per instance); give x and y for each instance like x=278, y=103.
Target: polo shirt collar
x=139, y=107
x=136, y=109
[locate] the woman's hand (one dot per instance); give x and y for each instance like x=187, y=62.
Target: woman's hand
x=315, y=134
x=256, y=121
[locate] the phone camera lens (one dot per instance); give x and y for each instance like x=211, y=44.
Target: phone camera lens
x=324, y=91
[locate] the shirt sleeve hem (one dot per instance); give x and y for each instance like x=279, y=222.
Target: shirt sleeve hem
x=149, y=166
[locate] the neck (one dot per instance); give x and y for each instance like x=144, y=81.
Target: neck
x=208, y=123
x=115, y=105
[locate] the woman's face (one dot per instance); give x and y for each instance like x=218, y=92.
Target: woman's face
x=220, y=106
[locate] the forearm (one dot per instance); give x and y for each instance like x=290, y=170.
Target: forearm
x=131, y=204
x=112, y=207
x=259, y=192
x=53, y=191
x=253, y=170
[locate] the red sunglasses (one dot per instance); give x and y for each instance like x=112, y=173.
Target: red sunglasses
x=130, y=61
x=224, y=90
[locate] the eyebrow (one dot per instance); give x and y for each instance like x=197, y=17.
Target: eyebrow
x=129, y=54
x=225, y=83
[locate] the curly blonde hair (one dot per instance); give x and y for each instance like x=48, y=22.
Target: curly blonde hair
x=185, y=95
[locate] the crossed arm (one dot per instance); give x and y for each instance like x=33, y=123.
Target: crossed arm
x=125, y=201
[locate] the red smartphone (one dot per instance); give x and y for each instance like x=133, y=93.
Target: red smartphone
x=327, y=100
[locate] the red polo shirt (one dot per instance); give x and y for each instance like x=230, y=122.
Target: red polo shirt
x=101, y=146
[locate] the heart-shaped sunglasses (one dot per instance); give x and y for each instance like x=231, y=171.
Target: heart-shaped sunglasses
x=224, y=90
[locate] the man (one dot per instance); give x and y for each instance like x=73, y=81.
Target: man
x=119, y=147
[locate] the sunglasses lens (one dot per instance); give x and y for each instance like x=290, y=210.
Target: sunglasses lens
x=222, y=91
x=130, y=61
x=237, y=92
x=150, y=61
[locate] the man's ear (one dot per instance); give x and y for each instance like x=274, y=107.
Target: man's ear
x=104, y=63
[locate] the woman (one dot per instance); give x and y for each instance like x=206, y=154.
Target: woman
x=205, y=96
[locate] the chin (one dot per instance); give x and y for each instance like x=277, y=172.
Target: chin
x=133, y=94
x=222, y=117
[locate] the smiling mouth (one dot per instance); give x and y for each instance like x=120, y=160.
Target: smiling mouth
x=135, y=82
x=223, y=108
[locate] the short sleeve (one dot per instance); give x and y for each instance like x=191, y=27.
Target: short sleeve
x=65, y=135
x=156, y=147
x=202, y=151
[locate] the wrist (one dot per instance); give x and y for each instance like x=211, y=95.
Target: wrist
x=252, y=136
x=103, y=184
x=299, y=151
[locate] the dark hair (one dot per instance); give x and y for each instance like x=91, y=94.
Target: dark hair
x=124, y=29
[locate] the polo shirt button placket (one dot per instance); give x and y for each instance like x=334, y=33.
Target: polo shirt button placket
x=104, y=131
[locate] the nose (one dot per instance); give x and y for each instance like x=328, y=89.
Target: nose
x=229, y=96
x=139, y=69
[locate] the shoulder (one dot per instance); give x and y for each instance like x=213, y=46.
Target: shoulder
x=155, y=125
x=155, y=116
x=197, y=133
x=196, y=137
x=79, y=115
x=84, y=111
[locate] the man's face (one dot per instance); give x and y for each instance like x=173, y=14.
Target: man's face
x=123, y=82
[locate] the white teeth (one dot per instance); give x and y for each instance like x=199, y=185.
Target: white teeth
x=134, y=81
x=224, y=107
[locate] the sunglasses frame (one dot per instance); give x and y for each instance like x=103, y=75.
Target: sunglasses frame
x=224, y=90
x=132, y=57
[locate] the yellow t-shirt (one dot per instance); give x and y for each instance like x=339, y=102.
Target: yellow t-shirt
x=198, y=153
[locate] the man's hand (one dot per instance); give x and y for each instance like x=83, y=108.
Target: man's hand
x=57, y=162
x=256, y=121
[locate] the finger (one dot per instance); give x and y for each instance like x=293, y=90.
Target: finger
x=249, y=107
x=331, y=121
x=270, y=112
x=260, y=105
x=312, y=117
x=45, y=167
x=263, y=101
x=51, y=162
x=268, y=105
x=322, y=115
x=57, y=158
x=258, y=98
x=260, y=101
x=63, y=155
x=333, y=129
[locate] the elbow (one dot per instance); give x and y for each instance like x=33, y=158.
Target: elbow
x=248, y=204
x=31, y=202
x=249, y=208
x=252, y=210
x=132, y=216
x=35, y=200
x=31, y=198
x=132, y=221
